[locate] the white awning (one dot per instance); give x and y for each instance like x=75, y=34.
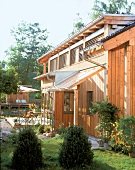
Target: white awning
x=74, y=80
x=27, y=89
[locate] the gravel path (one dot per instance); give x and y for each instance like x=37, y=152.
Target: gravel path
x=5, y=126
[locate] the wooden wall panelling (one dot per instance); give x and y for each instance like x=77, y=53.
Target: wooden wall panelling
x=122, y=80
x=109, y=76
x=133, y=114
x=113, y=82
x=131, y=80
x=128, y=80
x=58, y=109
x=117, y=78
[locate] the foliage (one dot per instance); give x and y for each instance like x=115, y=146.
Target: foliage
x=107, y=112
x=131, y=150
x=33, y=106
x=75, y=151
x=77, y=25
x=126, y=131
x=8, y=80
x=62, y=131
x=30, y=44
x=13, y=138
x=41, y=129
x=28, y=154
x=111, y=7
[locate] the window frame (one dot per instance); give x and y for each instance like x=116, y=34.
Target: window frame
x=89, y=102
x=68, y=100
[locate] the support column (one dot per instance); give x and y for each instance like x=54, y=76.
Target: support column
x=76, y=106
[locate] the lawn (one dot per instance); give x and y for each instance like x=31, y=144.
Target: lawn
x=103, y=159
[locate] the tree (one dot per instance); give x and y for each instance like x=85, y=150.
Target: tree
x=30, y=44
x=28, y=152
x=8, y=81
x=77, y=25
x=111, y=7
x=75, y=151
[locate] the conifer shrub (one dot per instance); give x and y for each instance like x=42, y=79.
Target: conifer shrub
x=75, y=151
x=27, y=154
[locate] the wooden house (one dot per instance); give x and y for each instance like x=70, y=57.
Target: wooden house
x=85, y=68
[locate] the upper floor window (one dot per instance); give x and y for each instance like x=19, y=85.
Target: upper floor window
x=80, y=54
x=53, y=64
x=73, y=56
x=63, y=60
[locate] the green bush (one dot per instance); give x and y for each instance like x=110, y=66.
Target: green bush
x=75, y=151
x=41, y=129
x=126, y=131
x=107, y=112
x=28, y=153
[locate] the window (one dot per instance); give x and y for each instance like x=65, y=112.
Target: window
x=63, y=60
x=73, y=56
x=68, y=102
x=53, y=65
x=80, y=55
x=89, y=99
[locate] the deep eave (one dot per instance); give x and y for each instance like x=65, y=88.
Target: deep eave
x=86, y=31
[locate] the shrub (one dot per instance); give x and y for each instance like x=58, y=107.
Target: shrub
x=75, y=151
x=126, y=131
x=41, y=129
x=28, y=153
x=62, y=131
x=107, y=112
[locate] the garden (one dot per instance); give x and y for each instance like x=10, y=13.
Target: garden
x=70, y=148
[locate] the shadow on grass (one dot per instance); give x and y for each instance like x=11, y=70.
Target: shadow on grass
x=98, y=165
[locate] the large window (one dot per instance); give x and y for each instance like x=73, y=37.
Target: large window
x=73, y=56
x=80, y=54
x=89, y=100
x=68, y=102
x=63, y=60
x=53, y=64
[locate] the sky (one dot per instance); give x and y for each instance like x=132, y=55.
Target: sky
x=57, y=16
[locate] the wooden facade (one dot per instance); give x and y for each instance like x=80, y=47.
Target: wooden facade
x=121, y=71
x=113, y=78
x=12, y=98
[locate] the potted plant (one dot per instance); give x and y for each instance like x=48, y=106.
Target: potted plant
x=107, y=113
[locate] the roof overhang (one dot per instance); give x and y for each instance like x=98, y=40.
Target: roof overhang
x=119, y=37
x=41, y=77
x=86, y=31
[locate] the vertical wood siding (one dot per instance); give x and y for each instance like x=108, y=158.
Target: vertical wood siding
x=95, y=84
x=13, y=97
x=121, y=79
x=60, y=117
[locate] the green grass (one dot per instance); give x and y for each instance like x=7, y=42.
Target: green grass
x=103, y=159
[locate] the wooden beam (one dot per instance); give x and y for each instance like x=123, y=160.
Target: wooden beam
x=132, y=42
x=94, y=51
x=86, y=34
x=119, y=39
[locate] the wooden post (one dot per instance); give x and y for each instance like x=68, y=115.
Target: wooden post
x=76, y=106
